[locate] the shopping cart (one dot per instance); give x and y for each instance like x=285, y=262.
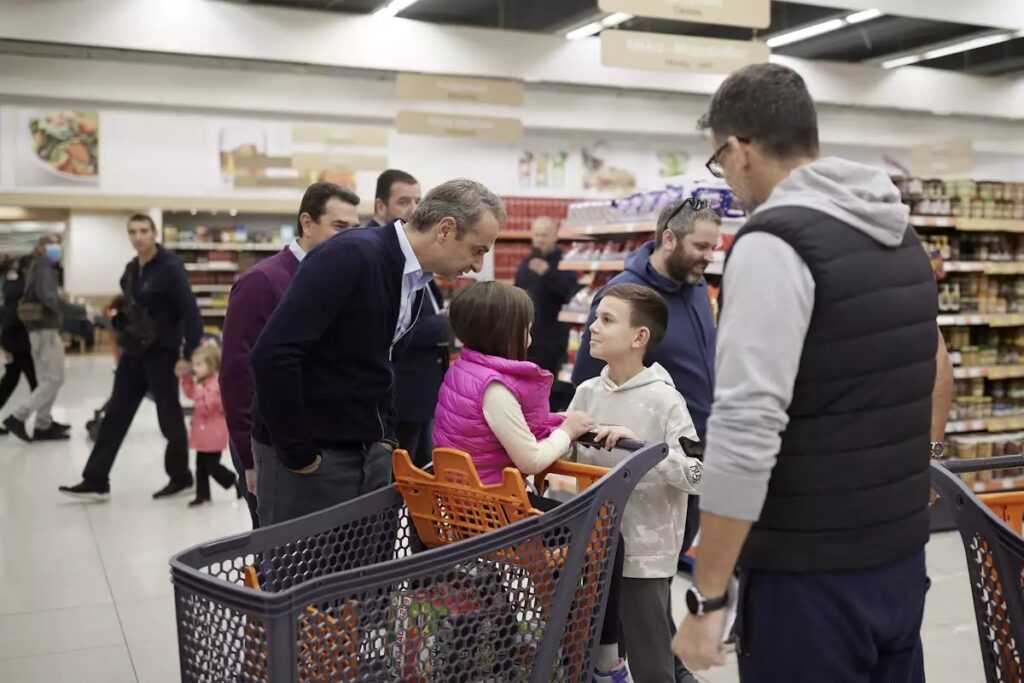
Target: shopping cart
x=990, y=526
x=351, y=594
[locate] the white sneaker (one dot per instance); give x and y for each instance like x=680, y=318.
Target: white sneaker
x=618, y=674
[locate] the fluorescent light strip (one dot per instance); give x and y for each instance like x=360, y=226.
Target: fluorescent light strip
x=956, y=48
x=595, y=27
x=823, y=27
x=394, y=7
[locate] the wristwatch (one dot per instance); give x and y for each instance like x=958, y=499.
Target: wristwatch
x=698, y=605
x=938, y=449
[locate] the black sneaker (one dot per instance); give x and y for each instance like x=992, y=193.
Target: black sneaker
x=198, y=501
x=173, y=488
x=87, y=491
x=61, y=426
x=51, y=433
x=17, y=427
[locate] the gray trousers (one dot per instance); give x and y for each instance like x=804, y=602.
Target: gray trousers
x=48, y=357
x=281, y=494
x=645, y=629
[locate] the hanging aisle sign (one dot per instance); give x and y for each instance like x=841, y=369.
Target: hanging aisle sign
x=665, y=52
x=748, y=13
x=460, y=126
x=458, y=89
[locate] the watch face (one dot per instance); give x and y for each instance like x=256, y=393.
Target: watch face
x=692, y=602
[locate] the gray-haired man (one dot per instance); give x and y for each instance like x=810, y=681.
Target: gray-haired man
x=323, y=364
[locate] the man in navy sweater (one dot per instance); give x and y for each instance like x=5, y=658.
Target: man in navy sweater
x=324, y=419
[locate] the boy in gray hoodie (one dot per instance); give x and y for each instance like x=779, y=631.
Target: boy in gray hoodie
x=631, y=320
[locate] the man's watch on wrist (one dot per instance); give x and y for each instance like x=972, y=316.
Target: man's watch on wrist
x=698, y=605
x=938, y=449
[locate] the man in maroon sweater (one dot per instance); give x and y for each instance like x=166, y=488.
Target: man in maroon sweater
x=325, y=210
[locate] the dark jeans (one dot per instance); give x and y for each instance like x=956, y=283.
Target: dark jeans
x=552, y=358
x=136, y=375
x=611, y=629
x=208, y=465
x=250, y=498
x=282, y=494
x=858, y=626
x=416, y=437
x=21, y=364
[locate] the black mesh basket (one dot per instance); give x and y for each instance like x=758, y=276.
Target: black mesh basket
x=995, y=557
x=349, y=594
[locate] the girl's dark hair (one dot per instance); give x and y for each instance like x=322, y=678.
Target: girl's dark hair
x=492, y=318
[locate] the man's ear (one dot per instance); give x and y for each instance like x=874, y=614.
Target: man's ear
x=446, y=228
x=745, y=152
x=379, y=207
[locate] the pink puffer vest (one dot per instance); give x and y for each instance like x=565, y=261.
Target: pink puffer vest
x=459, y=420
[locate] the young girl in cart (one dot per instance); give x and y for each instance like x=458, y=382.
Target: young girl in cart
x=494, y=405
x=209, y=432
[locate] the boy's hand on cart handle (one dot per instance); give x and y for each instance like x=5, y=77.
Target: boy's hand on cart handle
x=577, y=424
x=610, y=435
x=309, y=469
x=250, y=480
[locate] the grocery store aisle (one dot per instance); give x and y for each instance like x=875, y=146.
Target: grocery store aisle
x=85, y=593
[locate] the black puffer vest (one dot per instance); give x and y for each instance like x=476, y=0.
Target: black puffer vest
x=850, y=488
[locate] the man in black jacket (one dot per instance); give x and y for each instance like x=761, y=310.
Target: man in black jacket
x=550, y=289
x=157, y=307
x=324, y=420
x=816, y=475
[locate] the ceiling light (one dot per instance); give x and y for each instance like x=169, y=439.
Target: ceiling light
x=805, y=32
x=901, y=61
x=394, y=7
x=866, y=15
x=597, y=26
x=952, y=49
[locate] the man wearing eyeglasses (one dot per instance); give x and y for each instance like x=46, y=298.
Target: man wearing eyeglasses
x=816, y=464
x=673, y=265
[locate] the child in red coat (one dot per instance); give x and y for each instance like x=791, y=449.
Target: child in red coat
x=209, y=433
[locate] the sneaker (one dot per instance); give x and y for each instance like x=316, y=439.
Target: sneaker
x=87, y=491
x=51, y=433
x=17, y=427
x=198, y=501
x=173, y=488
x=618, y=674
x=60, y=425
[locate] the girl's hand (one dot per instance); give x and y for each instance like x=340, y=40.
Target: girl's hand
x=577, y=424
x=612, y=434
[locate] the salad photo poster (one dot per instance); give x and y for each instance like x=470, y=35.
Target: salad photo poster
x=57, y=148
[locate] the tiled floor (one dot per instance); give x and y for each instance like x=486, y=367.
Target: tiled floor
x=85, y=594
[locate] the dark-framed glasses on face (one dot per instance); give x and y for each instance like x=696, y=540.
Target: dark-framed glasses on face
x=714, y=166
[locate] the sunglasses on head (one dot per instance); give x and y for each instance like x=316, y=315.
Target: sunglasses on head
x=689, y=203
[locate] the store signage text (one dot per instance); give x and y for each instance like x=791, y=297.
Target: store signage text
x=457, y=89
x=749, y=13
x=663, y=52
x=460, y=126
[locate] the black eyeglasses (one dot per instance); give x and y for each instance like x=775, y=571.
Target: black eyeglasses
x=713, y=165
x=690, y=203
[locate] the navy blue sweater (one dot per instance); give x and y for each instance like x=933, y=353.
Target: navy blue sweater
x=688, y=349
x=163, y=289
x=322, y=365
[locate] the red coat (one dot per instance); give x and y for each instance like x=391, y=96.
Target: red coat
x=209, y=431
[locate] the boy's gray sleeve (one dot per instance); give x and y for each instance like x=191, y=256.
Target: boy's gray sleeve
x=769, y=297
x=678, y=469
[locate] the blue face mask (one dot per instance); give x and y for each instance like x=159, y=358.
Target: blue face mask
x=53, y=253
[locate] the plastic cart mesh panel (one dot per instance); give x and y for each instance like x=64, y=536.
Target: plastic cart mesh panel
x=348, y=594
x=995, y=559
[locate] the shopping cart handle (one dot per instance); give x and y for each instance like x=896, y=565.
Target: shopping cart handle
x=981, y=464
x=590, y=439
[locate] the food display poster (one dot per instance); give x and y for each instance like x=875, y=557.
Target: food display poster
x=56, y=147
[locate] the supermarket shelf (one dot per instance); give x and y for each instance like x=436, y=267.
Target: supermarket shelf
x=214, y=312
x=573, y=317
x=514, y=235
x=223, y=266
x=211, y=289
x=998, y=485
x=969, y=224
x=729, y=227
x=593, y=265
x=223, y=246
x=987, y=267
x=989, y=371
x=1010, y=423
x=992, y=320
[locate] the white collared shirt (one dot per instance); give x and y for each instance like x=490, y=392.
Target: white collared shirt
x=413, y=280
x=297, y=250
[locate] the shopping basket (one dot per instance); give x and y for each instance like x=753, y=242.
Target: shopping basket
x=995, y=559
x=351, y=594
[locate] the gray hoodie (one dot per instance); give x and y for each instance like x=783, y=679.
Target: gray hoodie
x=654, y=520
x=762, y=329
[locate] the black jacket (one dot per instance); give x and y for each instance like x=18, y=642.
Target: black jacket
x=323, y=364
x=420, y=370
x=14, y=337
x=549, y=292
x=163, y=290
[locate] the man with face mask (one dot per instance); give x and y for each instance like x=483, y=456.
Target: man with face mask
x=42, y=309
x=673, y=265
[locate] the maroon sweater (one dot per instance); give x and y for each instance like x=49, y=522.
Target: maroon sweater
x=253, y=298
